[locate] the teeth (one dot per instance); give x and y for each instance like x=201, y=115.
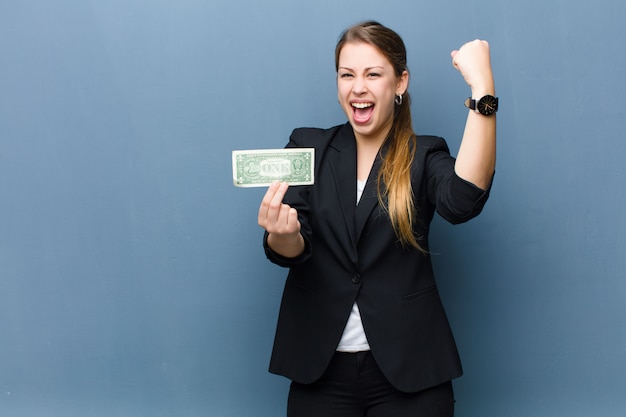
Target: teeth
x=362, y=105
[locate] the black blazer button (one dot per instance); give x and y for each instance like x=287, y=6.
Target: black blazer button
x=356, y=279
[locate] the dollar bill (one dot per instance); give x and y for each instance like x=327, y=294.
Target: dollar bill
x=261, y=167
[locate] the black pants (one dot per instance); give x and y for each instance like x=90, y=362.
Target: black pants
x=354, y=386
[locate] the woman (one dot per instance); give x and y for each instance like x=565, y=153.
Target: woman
x=361, y=328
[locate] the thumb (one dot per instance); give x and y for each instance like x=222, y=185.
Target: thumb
x=453, y=55
x=293, y=218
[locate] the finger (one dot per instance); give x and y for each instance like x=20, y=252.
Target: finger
x=293, y=221
x=453, y=55
x=265, y=203
x=276, y=203
x=278, y=196
x=282, y=190
x=271, y=191
x=282, y=218
x=287, y=221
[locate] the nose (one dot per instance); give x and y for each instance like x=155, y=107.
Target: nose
x=359, y=87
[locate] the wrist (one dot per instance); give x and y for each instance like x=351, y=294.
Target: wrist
x=287, y=245
x=483, y=90
x=482, y=86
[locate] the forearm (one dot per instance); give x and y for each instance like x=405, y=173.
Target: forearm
x=476, y=159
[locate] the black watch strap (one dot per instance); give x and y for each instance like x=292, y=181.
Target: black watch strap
x=470, y=103
x=486, y=105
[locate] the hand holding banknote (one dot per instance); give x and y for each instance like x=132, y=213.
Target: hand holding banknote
x=278, y=169
x=281, y=222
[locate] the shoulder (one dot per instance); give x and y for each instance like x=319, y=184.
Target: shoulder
x=426, y=144
x=429, y=147
x=432, y=156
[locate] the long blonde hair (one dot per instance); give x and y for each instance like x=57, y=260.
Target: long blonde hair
x=395, y=193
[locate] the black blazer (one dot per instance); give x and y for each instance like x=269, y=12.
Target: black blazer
x=352, y=253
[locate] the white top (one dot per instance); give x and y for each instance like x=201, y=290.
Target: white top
x=353, y=338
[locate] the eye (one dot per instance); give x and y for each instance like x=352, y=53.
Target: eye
x=345, y=75
x=373, y=75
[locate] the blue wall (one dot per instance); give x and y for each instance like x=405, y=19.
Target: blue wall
x=132, y=280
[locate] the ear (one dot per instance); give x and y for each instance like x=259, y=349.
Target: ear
x=403, y=83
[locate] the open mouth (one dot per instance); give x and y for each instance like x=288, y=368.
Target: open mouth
x=362, y=112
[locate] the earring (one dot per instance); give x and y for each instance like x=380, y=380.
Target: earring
x=398, y=99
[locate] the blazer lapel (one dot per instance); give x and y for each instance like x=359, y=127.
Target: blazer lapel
x=369, y=198
x=343, y=166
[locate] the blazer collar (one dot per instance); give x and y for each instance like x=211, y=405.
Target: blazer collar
x=343, y=166
x=369, y=198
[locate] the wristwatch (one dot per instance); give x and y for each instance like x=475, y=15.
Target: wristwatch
x=486, y=105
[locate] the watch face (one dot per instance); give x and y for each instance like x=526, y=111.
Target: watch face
x=487, y=105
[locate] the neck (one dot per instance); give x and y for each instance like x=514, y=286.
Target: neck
x=370, y=143
x=366, y=151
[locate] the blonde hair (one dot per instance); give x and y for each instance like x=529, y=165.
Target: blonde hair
x=395, y=192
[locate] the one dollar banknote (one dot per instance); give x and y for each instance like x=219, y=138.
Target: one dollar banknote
x=262, y=167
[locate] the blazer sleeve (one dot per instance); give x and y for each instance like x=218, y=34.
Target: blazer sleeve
x=455, y=199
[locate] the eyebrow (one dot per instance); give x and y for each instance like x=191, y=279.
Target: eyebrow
x=366, y=69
